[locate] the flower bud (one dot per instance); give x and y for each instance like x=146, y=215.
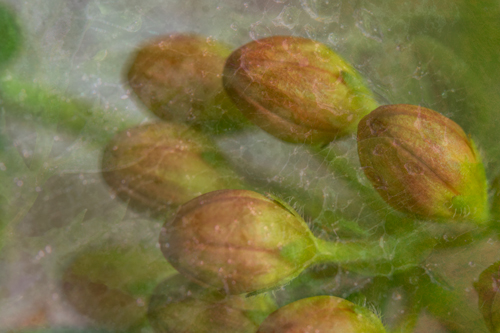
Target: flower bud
x=238, y=241
x=161, y=165
x=180, y=306
x=422, y=163
x=111, y=284
x=326, y=314
x=179, y=78
x=488, y=287
x=297, y=89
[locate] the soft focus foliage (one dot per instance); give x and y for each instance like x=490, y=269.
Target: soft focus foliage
x=10, y=35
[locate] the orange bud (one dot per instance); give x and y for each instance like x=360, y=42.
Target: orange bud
x=179, y=78
x=297, y=89
x=422, y=163
x=238, y=241
x=326, y=314
x=161, y=165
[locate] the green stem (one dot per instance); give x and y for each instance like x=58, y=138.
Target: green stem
x=342, y=167
x=49, y=107
x=382, y=257
x=340, y=252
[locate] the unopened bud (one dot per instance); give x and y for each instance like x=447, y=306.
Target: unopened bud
x=297, y=89
x=162, y=165
x=326, y=314
x=238, y=241
x=179, y=78
x=178, y=306
x=111, y=284
x=422, y=163
x=488, y=289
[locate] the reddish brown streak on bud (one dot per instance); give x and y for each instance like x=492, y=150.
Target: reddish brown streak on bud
x=234, y=240
x=421, y=162
x=294, y=89
x=322, y=314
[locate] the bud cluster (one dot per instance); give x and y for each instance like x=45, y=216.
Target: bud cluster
x=226, y=242
x=405, y=193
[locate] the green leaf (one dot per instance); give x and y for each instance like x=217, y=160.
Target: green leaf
x=10, y=35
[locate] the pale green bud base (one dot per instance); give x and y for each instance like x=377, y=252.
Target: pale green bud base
x=383, y=257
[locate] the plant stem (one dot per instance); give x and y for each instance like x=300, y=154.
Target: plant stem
x=50, y=107
x=340, y=252
x=341, y=166
x=382, y=257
